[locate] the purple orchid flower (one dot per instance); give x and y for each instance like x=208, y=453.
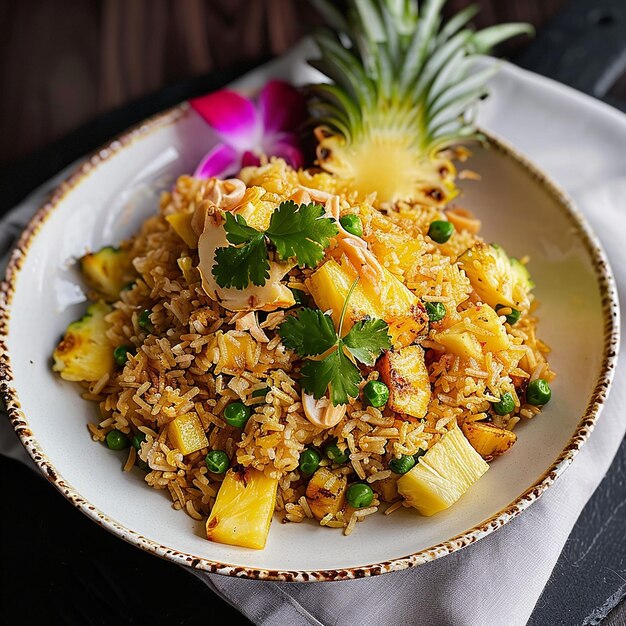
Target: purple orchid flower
x=248, y=130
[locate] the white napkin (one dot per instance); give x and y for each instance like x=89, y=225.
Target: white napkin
x=499, y=579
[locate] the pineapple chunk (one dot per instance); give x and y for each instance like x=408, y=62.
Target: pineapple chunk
x=181, y=223
x=443, y=474
x=495, y=277
x=480, y=327
x=84, y=353
x=395, y=304
x=237, y=354
x=243, y=510
x=326, y=492
x=186, y=433
x=405, y=373
x=107, y=271
x=488, y=440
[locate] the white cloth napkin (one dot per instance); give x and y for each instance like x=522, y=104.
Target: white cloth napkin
x=499, y=579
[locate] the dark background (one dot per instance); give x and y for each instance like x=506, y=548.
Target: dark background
x=73, y=73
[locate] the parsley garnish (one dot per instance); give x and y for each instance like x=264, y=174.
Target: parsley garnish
x=312, y=333
x=299, y=232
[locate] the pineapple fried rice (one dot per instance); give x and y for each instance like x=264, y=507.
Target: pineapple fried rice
x=181, y=358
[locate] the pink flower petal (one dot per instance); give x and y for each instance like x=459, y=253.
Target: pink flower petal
x=282, y=107
x=234, y=117
x=249, y=158
x=220, y=162
x=287, y=148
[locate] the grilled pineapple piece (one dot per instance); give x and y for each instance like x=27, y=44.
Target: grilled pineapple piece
x=496, y=278
x=443, y=474
x=242, y=513
x=84, y=353
x=107, y=271
x=488, y=440
x=405, y=373
x=237, y=353
x=480, y=328
x=181, y=224
x=326, y=492
x=394, y=303
x=186, y=433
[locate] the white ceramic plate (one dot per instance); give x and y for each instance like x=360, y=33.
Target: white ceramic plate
x=106, y=200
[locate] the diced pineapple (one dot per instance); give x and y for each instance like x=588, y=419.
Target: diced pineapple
x=443, y=474
x=186, y=433
x=237, y=353
x=480, y=328
x=488, y=440
x=243, y=510
x=495, y=277
x=326, y=492
x=84, y=353
x=405, y=373
x=256, y=212
x=181, y=223
x=394, y=303
x=107, y=271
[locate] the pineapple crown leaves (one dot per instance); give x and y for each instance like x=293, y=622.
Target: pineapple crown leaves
x=394, y=66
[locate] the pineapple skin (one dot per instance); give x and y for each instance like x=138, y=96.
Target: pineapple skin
x=443, y=474
x=243, y=509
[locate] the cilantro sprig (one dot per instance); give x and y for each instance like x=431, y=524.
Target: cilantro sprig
x=312, y=333
x=299, y=232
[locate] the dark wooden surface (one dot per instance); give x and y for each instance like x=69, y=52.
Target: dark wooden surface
x=58, y=567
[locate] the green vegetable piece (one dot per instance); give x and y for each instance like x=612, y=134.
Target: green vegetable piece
x=376, y=393
x=352, y=223
x=436, y=311
x=538, y=392
x=120, y=354
x=335, y=454
x=359, y=495
x=137, y=439
x=260, y=393
x=116, y=440
x=440, y=231
x=217, y=461
x=237, y=414
x=299, y=296
x=512, y=317
x=421, y=452
x=144, y=321
x=309, y=461
x=505, y=405
x=402, y=465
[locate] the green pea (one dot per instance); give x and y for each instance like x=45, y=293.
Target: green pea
x=402, y=465
x=120, y=354
x=376, y=393
x=440, y=231
x=260, y=393
x=436, y=311
x=505, y=405
x=237, y=414
x=217, y=461
x=299, y=296
x=116, y=440
x=309, y=461
x=538, y=392
x=512, y=317
x=138, y=439
x=144, y=321
x=352, y=223
x=334, y=453
x=359, y=495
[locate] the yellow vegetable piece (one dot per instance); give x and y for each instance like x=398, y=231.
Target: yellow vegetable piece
x=107, y=271
x=84, y=353
x=181, y=223
x=394, y=303
x=443, y=474
x=243, y=510
x=326, y=492
x=405, y=373
x=488, y=440
x=480, y=328
x=186, y=433
x=237, y=354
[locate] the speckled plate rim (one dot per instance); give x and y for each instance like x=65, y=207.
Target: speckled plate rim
x=610, y=308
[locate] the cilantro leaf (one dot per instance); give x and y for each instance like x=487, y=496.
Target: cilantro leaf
x=301, y=232
x=335, y=371
x=367, y=339
x=310, y=333
x=237, y=229
x=238, y=267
